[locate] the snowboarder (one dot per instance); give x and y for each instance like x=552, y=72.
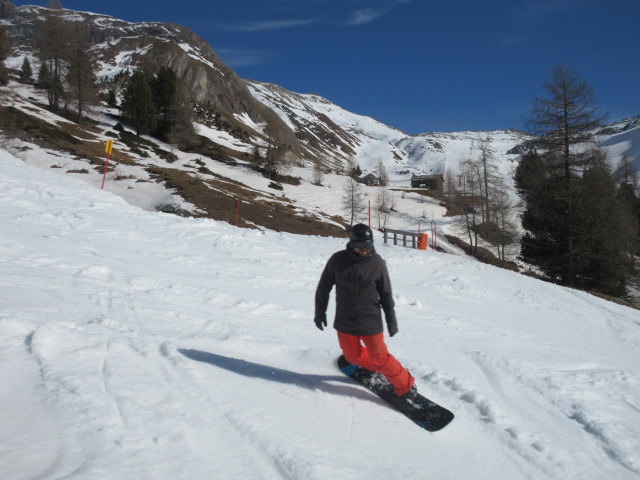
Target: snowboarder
x=362, y=288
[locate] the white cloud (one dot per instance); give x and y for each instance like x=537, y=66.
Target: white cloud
x=369, y=14
x=263, y=25
x=366, y=15
x=237, y=57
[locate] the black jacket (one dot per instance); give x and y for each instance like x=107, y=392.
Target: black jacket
x=362, y=287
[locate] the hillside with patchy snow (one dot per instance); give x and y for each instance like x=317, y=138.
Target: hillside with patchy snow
x=138, y=344
x=251, y=115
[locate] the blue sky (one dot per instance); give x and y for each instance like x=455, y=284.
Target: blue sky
x=416, y=65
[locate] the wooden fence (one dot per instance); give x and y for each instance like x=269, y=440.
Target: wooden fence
x=407, y=239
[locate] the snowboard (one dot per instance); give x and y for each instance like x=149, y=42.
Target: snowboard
x=419, y=409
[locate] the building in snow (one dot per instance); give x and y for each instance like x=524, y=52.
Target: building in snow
x=369, y=179
x=431, y=182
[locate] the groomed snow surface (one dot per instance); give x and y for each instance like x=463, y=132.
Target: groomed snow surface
x=140, y=345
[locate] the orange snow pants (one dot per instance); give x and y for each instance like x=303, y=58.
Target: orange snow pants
x=374, y=356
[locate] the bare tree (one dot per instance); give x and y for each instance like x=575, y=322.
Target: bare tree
x=564, y=119
x=318, y=174
x=52, y=42
x=383, y=206
x=501, y=219
x=487, y=173
x=273, y=157
x=450, y=184
x=469, y=194
x=382, y=173
x=80, y=80
x=352, y=200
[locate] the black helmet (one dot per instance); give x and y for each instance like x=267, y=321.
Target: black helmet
x=361, y=236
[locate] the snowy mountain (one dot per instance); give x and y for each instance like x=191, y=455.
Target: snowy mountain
x=368, y=141
x=119, y=46
x=622, y=139
x=144, y=345
x=250, y=115
x=312, y=127
x=138, y=344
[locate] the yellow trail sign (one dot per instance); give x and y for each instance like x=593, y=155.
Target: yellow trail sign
x=107, y=149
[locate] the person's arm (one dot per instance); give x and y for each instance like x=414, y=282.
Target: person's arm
x=322, y=295
x=386, y=300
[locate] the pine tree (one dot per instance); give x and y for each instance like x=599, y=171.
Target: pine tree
x=138, y=107
x=607, y=232
x=530, y=174
x=44, y=77
x=181, y=132
x=628, y=197
x=564, y=120
x=272, y=162
x=26, y=74
x=164, y=87
x=5, y=51
x=175, y=117
x=571, y=207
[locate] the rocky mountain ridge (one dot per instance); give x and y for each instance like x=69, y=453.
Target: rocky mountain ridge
x=312, y=128
x=119, y=46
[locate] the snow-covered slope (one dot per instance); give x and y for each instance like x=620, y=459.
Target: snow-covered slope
x=143, y=345
x=369, y=141
x=621, y=141
x=348, y=136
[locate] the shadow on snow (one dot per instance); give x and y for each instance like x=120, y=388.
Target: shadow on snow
x=265, y=372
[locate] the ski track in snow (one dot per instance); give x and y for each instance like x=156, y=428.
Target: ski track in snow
x=142, y=345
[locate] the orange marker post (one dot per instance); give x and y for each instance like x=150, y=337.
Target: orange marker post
x=423, y=241
x=107, y=150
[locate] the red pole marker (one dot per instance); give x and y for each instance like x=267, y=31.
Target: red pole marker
x=107, y=150
x=433, y=234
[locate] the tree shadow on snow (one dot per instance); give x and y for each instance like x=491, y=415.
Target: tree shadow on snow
x=265, y=372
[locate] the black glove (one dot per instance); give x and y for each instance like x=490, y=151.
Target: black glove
x=320, y=320
x=392, y=330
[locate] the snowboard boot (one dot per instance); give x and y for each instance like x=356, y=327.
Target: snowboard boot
x=411, y=394
x=349, y=369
